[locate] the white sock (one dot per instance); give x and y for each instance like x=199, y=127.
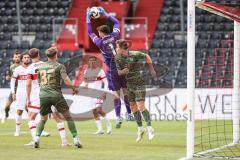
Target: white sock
x=32, y=127
x=18, y=123
x=99, y=125
x=62, y=132
x=108, y=123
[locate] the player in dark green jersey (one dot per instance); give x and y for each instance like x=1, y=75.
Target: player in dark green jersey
x=50, y=75
x=17, y=62
x=127, y=63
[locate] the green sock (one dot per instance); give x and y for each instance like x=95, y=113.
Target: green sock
x=146, y=117
x=6, y=112
x=72, y=128
x=138, y=117
x=40, y=127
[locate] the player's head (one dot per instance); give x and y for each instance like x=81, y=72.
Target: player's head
x=92, y=62
x=34, y=53
x=25, y=58
x=103, y=30
x=122, y=46
x=51, y=53
x=17, y=57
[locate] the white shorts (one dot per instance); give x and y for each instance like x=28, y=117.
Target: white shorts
x=35, y=102
x=97, y=102
x=21, y=99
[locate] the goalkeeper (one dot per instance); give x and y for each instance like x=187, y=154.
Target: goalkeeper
x=127, y=64
x=106, y=43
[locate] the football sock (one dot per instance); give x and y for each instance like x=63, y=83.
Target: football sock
x=40, y=127
x=62, y=132
x=18, y=123
x=32, y=127
x=99, y=125
x=127, y=104
x=7, y=112
x=72, y=128
x=138, y=117
x=117, y=105
x=107, y=121
x=146, y=117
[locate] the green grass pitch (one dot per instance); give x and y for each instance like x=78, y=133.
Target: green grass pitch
x=169, y=143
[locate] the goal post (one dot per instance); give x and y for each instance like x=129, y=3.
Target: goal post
x=221, y=143
x=190, y=76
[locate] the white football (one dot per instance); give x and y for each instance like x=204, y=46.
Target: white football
x=95, y=12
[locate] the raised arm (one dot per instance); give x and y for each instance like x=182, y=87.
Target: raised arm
x=116, y=24
x=92, y=35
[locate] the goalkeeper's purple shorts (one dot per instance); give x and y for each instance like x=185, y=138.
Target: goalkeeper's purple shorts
x=115, y=82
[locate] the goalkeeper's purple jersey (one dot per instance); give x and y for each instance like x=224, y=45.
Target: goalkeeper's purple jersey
x=107, y=44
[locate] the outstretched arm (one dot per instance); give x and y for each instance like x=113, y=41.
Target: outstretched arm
x=116, y=24
x=92, y=35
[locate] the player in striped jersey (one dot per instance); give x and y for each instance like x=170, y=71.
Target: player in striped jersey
x=33, y=100
x=20, y=76
x=95, y=78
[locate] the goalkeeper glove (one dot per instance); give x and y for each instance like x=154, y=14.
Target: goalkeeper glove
x=88, y=16
x=103, y=12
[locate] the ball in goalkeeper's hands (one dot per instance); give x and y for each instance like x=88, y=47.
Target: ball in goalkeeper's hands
x=95, y=12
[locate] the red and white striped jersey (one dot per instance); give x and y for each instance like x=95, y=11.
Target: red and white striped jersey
x=19, y=74
x=33, y=74
x=94, y=78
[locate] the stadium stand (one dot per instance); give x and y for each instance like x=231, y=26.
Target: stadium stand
x=37, y=20
x=166, y=48
x=213, y=33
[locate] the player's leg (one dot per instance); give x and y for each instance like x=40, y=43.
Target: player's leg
x=7, y=107
x=99, y=103
x=60, y=127
x=104, y=117
x=114, y=85
x=32, y=126
x=62, y=107
x=140, y=98
x=137, y=114
x=98, y=121
x=18, y=122
x=127, y=104
x=117, y=106
x=21, y=98
x=45, y=109
x=40, y=128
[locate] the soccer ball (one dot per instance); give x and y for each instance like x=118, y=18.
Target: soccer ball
x=95, y=12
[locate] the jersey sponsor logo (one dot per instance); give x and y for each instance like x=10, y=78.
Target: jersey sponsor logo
x=32, y=76
x=22, y=77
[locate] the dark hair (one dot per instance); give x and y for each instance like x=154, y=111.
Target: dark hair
x=51, y=52
x=104, y=28
x=124, y=44
x=24, y=53
x=33, y=53
x=16, y=52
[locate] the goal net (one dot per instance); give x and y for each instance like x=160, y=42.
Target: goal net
x=214, y=132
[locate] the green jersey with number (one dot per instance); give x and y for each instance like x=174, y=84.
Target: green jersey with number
x=132, y=63
x=49, y=76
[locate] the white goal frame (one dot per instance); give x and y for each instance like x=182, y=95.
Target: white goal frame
x=191, y=84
